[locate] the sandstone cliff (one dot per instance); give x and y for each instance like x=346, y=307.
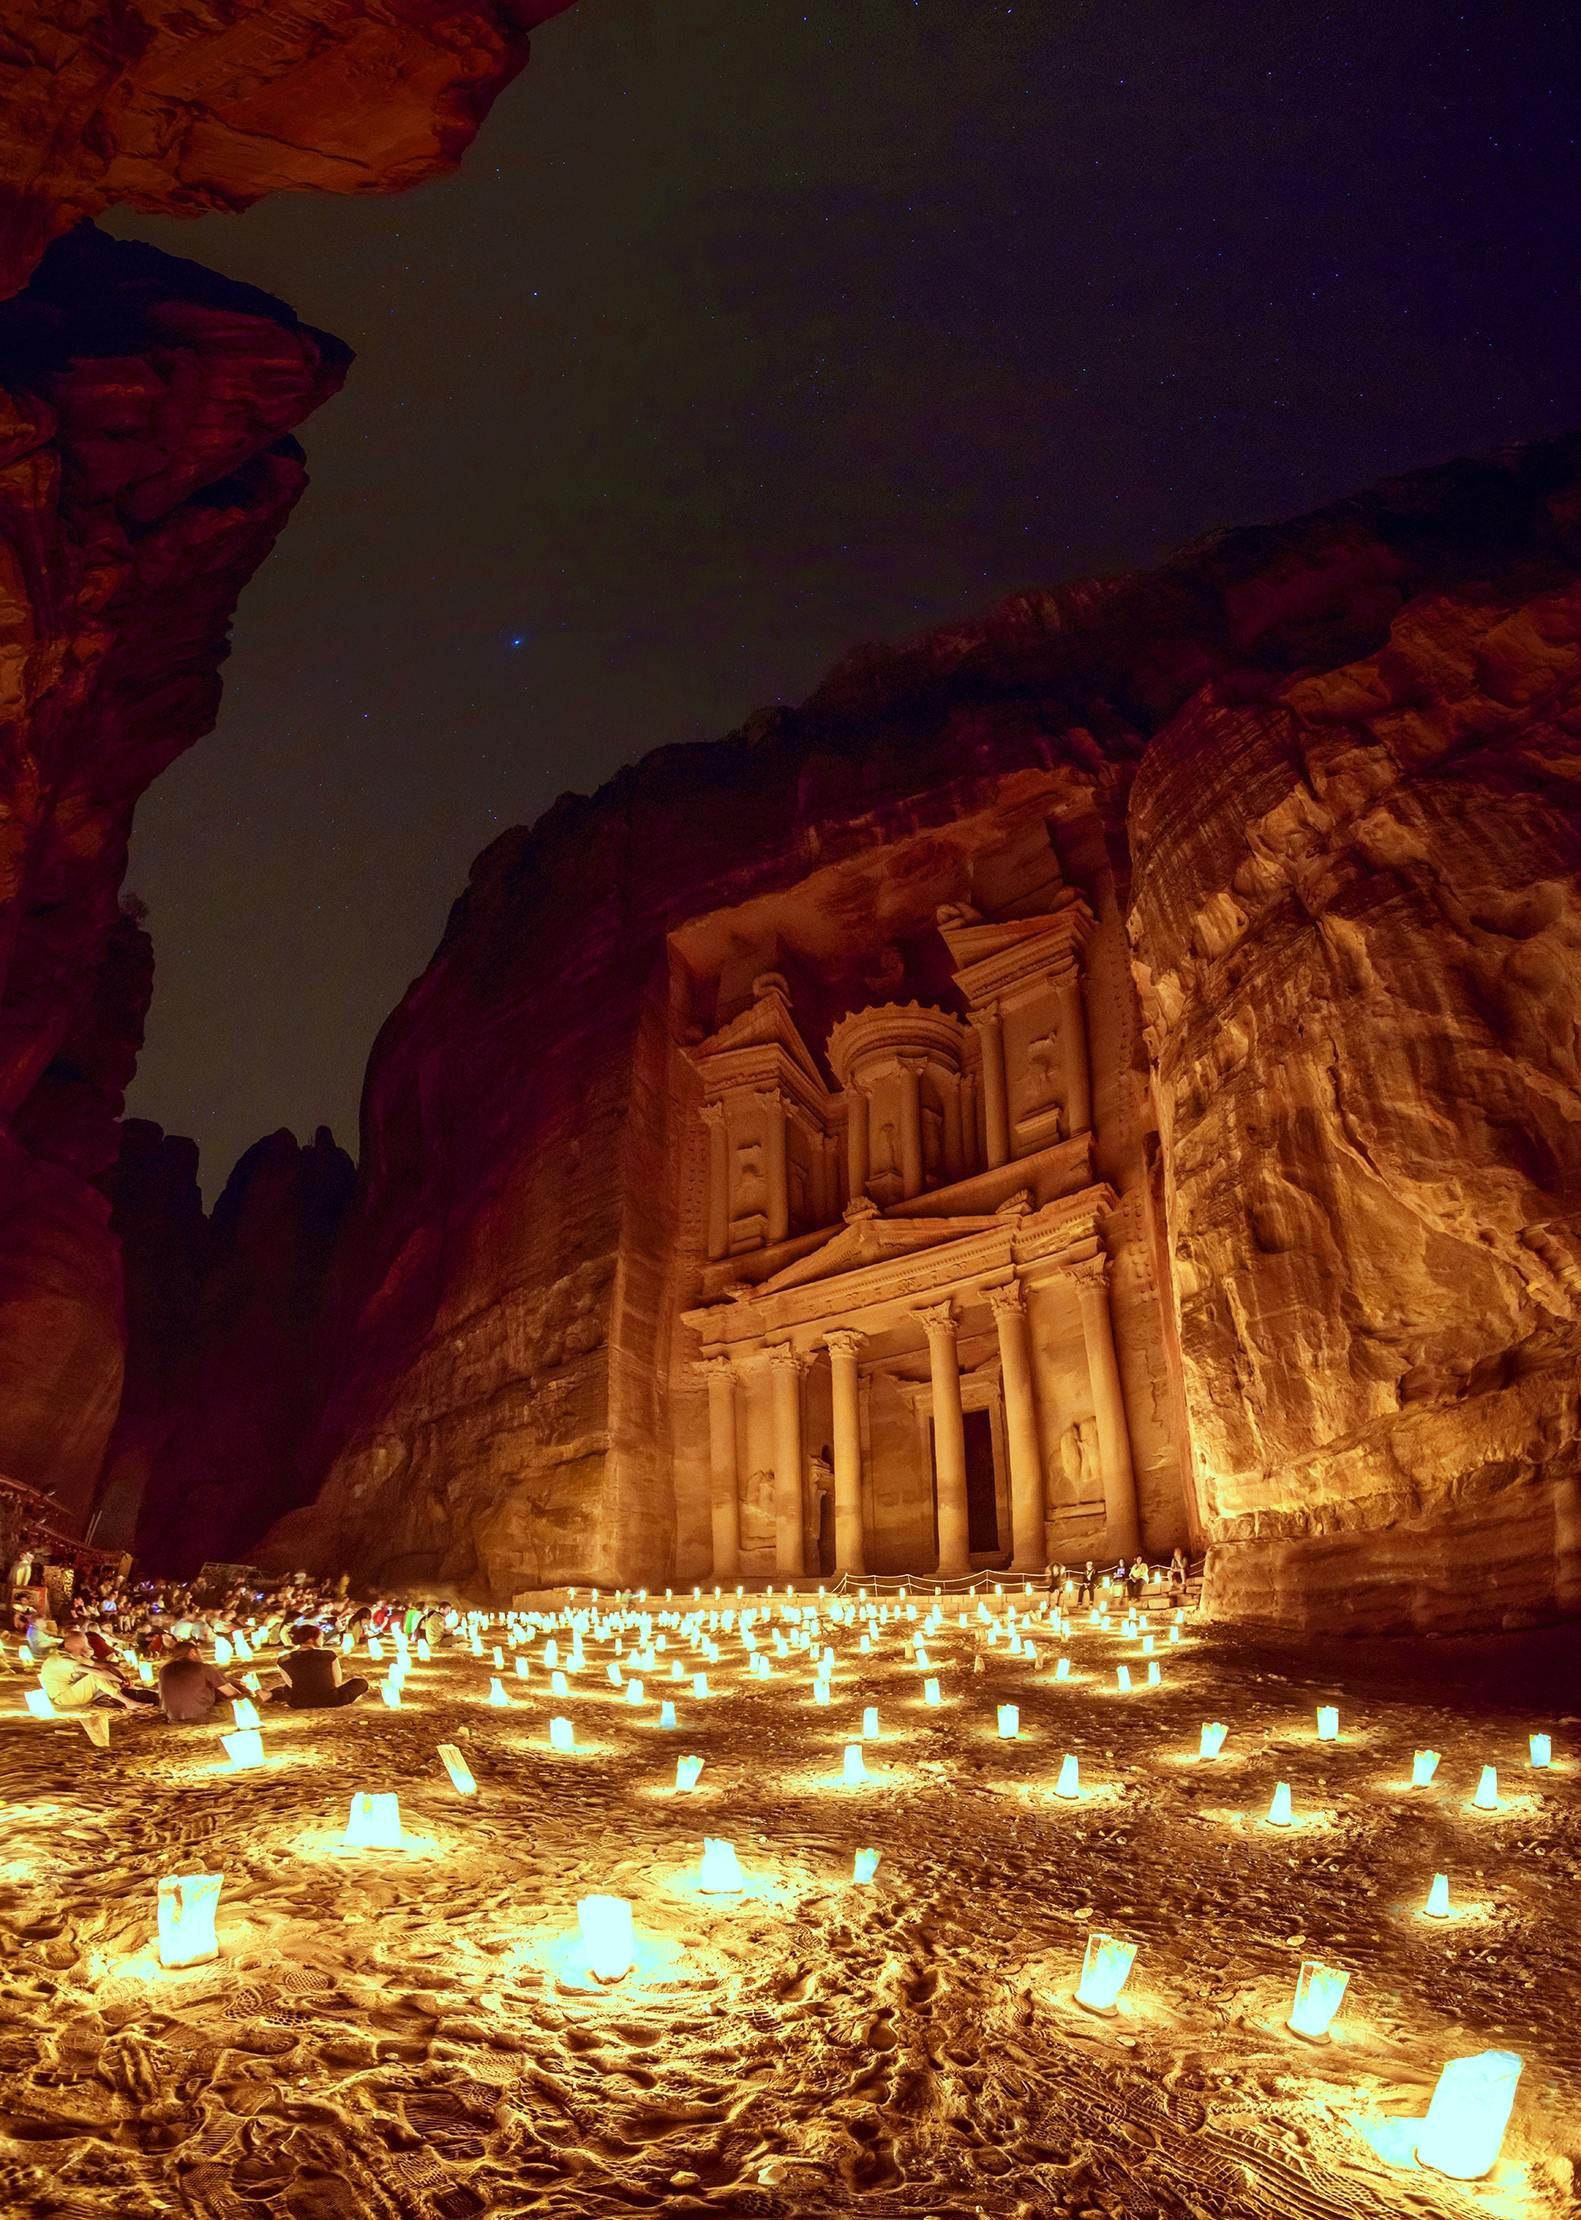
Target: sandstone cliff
x=223, y=1337
x=1332, y=771
x=179, y=109
x=144, y=473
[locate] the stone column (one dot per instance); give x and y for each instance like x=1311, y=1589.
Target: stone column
x=855, y=1141
x=849, y=1548
x=1029, y=1548
x=1122, y=1522
x=725, y=1497
x=1073, y=1040
x=773, y=1106
x=996, y=1101
x=910, y=1125
x=785, y=1368
x=949, y=1440
x=718, y=1181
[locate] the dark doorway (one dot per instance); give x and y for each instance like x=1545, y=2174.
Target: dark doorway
x=982, y=1497
x=826, y=1532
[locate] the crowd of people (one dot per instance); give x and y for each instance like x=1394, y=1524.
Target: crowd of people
x=163, y=1651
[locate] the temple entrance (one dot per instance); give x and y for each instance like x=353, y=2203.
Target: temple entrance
x=982, y=1494
x=826, y=1532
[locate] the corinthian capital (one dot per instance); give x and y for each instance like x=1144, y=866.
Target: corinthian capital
x=786, y=1359
x=938, y=1318
x=1008, y=1301
x=1089, y=1272
x=845, y=1341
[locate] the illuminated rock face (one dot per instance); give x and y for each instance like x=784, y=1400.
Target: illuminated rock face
x=176, y=107
x=129, y=521
x=1315, y=787
x=1358, y=897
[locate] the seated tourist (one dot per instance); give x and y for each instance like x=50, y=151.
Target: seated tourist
x=189, y=1687
x=72, y=1681
x=313, y=1678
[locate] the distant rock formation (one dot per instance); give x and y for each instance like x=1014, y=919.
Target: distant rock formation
x=1330, y=771
x=223, y=1339
x=177, y=107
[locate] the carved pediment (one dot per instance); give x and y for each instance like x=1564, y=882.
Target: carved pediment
x=869, y=1239
x=767, y=1025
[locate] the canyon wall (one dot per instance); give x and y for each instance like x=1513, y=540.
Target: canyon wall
x=145, y=470
x=177, y=107
x=1333, y=769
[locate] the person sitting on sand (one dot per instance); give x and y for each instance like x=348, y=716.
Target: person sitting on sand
x=313, y=1680
x=189, y=1687
x=72, y=1681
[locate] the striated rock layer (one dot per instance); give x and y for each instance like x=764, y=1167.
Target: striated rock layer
x=177, y=107
x=1326, y=775
x=145, y=470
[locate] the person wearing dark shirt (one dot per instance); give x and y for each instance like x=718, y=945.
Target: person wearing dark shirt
x=313, y=1681
x=189, y=1687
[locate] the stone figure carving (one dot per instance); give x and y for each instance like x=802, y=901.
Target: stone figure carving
x=1040, y=1079
x=886, y=1160
x=1078, y=1461
x=932, y=1138
x=751, y=1186
x=757, y=1518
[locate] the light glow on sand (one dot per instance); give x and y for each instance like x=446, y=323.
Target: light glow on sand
x=244, y=1749
x=607, y=1932
x=721, y=1869
x=374, y=1822
x=1320, y=1990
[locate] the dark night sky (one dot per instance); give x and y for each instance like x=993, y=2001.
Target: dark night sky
x=752, y=329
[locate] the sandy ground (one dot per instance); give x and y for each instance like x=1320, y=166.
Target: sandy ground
x=414, y=2032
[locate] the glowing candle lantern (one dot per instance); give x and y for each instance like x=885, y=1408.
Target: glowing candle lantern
x=922, y=1659
x=240, y=1644
x=1320, y=1989
x=245, y=1712
x=497, y=1695
x=677, y=1669
x=1424, y=1764
x=1437, y=1905
x=390, y=1690
x=37, y=1701
x=551, y=1653
x=522, y=1669
x=476, y=1646
x=425, y=1649
x=864, y=1643
x=145, y=1672
x=616, y=1676
x=1174, y=1634
x=187, y=1905
x=1122, y=1676
x=666, y=1714
x=374, y=1822
x=375, y=1648
x=1069, y=1783
x=1328, y=1722
x=688, y=1770
x=722, y=1874
x=930, y=1693
x=855, y=1769
x=1147, y=1645
x=1062, y=1668
x=870, y=1723
x=820, y=1692
x=1154, y=1676
x=1487, y=1796
x=461, y=1778
x=699, y=1685
x=244, y=1750
x=96, y=1726
x=1212, y=1739
x=1469, y=2112
x=1105, y=1969
x=634, y=1694
x=1542, y=1750
x=608, y=1937
x=1009, y=1722
x=864, y=1865
x=348, y=1642
x=562, y=1735
x=499, y=1659
x=223, y=1652
x=1279, y=1810
x=558, y=1684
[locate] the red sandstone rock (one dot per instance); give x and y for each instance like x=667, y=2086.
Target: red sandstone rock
x=223, y=1330
x=144, y=473
x=180, y=109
